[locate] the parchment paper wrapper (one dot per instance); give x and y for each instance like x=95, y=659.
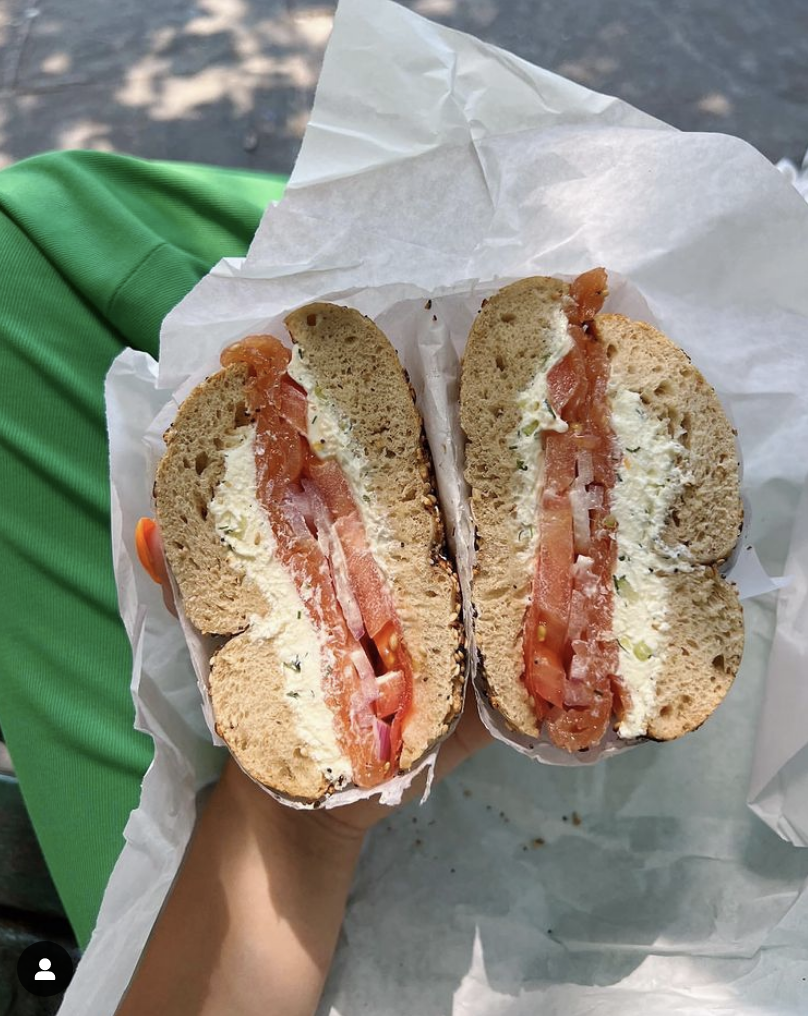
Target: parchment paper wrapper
x=778, y=791
x=435, y=165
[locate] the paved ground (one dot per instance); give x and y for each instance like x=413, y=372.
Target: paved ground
x=231, y=81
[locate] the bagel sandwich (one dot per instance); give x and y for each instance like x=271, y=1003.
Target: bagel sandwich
x=604, y=482
x=296, y=505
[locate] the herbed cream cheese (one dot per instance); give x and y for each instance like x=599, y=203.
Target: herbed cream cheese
x=536, y=416
x=245, y=529
x=329, y=434
x=649, y=481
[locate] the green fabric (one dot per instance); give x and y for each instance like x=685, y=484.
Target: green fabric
x=95, y=250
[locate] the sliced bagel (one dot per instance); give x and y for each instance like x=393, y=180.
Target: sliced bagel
x=701, y=649
x=515, y=332
x=275, y=685
x=674, y=516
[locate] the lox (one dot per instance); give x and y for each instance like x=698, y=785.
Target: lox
x=605, y=494
x=296, y=511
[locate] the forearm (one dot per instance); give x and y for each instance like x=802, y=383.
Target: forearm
x=252, y=920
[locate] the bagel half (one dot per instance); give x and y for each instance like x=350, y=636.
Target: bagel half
x=672, y=517
x=275, y=680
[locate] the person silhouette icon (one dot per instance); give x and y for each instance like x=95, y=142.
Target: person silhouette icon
x=44, y=969
x=45, y=973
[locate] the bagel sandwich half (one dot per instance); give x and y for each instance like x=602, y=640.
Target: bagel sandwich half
x=605, y=493
x=297, y=512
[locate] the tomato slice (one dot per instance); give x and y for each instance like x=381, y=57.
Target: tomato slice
x=301, y=495
x=366, y=581
x=575, y=729
x=149, y=546
x=544, y=674
x=391, y=693
x=548, y=616
x=332, y=485
x=394, y=655
x=387, y=642
x=293, y=406
x=570, y=656
x=588, y=292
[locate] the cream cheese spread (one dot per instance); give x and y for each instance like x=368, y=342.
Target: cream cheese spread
x=536, y=415
x=649, y=481
x=329, y=434
x=245, y=529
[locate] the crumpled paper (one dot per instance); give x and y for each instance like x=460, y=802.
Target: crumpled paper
x=779, y=787
x=435, y=163
x=797, y=175
x=778, y=792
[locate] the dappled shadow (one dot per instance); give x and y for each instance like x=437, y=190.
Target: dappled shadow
x=228, y=82
x=231, y=82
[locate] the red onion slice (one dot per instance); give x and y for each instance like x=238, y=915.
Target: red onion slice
x=296, y=502
x=579, y=667
x=381, y=732
x=391, y=693
x=320, y=515
x=582, y=501
x=577, y=693
x=342, y=584
x=364, y=697
x=585, y=467
x=588, y=663
x=332, y=549
x=580, y=518
x=579, y=614
x=362, y=716
x=367, y=676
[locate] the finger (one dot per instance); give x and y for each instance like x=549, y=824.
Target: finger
x=168, y=599
x=469, y=737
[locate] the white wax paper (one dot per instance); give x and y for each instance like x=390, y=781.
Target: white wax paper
x=435, y=163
